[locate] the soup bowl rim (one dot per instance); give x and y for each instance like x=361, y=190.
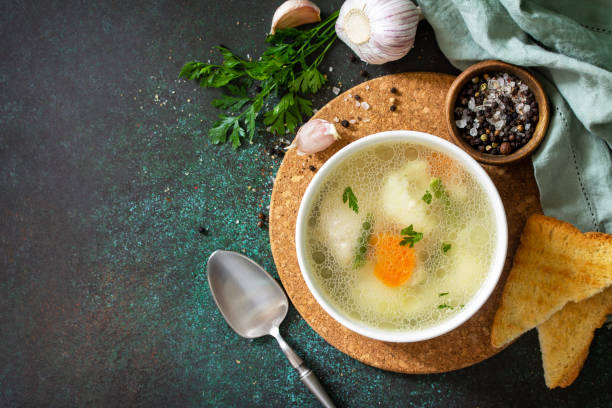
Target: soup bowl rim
x=497, y=261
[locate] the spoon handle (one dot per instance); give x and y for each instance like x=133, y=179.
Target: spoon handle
x=313, y=384
x=306, y=374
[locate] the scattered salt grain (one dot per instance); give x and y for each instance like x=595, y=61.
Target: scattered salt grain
x=352, y=121
x=357, y=103
x=473, y=132
x=367, y=87
x=336, y=90
x=365, y=105
x=350, y=95
x=366, y=120
x=527, y=126
x=336, y=119
x=331, y=69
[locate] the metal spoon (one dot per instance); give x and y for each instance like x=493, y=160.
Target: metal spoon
x=254, y=305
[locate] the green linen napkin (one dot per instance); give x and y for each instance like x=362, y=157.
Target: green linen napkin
x=568, y=46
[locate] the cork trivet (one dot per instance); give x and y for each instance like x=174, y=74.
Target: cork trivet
x=420, y=106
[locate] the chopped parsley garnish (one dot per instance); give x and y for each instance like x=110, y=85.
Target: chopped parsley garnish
x=443, y=294
x=364, y=238
x=410, y=236
x=286, y=71
x=445, y=306
x=349, y=196
x=437, y=190
x=446, y=247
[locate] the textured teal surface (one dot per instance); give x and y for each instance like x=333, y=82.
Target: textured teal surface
x=106, y=177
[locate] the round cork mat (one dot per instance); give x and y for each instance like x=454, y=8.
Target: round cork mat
x=420, y=106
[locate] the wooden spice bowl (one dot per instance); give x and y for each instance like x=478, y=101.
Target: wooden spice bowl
x=538, y=93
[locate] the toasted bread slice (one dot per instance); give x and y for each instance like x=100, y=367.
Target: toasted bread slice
x=554, y=264
x=565, y=337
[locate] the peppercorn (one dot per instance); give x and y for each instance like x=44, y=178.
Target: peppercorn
x=392, y=108
x=357, y=97
x=345, y=123
x=261, y=216
x=312, y=168
x=353, y=59
x=497, y=132
x=475, y=80
x=519, y=128
x=488, y=147
x=483, y=86
x=364, y=73
x=260, y=224
x=483, y=137
x=487, y=131
x=505, y=148
x=203, y=231
x=393, y=90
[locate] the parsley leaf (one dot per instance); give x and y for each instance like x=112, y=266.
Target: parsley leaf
x=411, y=236
x=445, y=306
x=427, y=197
x=218, y=133
x=446, y=247
x=443, y=294
x=285, y=71
x=349, y=196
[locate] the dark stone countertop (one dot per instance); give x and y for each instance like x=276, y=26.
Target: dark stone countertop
x=106, y=176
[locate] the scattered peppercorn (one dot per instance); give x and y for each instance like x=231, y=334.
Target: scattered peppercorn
x=393, y=90
x=260, y=224
x=312, y=168
x=364, y=73
x=203, y=231
x=392, y=108
x=345, y=123
x=353, y=59
x=261, y=216
x=357, y=97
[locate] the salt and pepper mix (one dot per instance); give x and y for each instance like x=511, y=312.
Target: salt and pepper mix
x=496, y=113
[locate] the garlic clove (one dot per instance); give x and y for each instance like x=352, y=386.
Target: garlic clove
x=294, y=13
x=378, y=31
x=314, y=136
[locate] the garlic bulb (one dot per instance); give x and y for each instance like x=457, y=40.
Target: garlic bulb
x=378, y=31
x=314, y=136
x=294, y=13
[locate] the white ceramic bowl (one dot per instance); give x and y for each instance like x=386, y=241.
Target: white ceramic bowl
x=499, y=247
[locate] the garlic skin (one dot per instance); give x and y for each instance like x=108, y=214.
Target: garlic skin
x=294, y=13
x=314, y=136
x=378, y=31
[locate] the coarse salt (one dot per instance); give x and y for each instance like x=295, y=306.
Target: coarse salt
x=365, y=105
x=357, y=103
x=352, y=121
x=336, y=119
x=336, y=90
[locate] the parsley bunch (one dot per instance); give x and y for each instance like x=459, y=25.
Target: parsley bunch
x=284, y=73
